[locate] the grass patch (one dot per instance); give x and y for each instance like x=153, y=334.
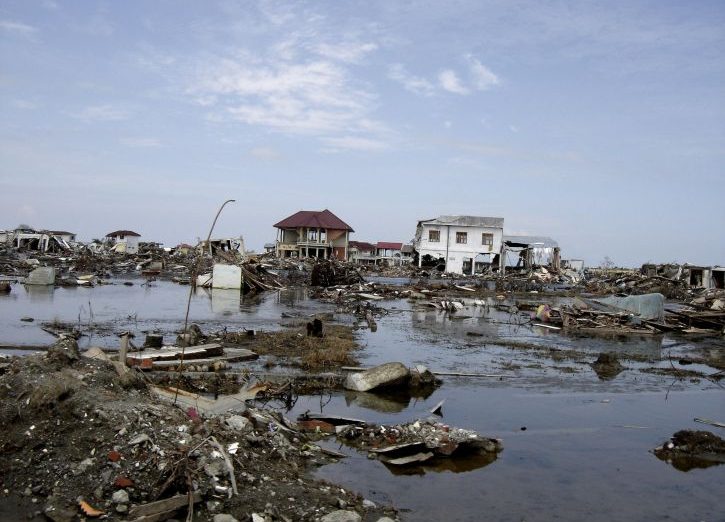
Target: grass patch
x=333, y=350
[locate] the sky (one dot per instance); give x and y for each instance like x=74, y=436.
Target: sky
x=599, y=124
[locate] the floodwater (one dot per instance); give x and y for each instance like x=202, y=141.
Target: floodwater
x=576, y=447
x=105, y=311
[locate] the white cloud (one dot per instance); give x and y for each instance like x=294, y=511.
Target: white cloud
x=141, y=142
x=101, y=113
x=17, y=27
x=315, y=97
x=410, y=82
x=483, y=77
x=449, y=81
x=448, y=124
x=346, y=51
x=264, y=153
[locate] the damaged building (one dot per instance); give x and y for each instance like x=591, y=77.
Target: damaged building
x=123, y=241
x=29, y=239
x=313, y=234
x=460, y=244
x=527, y=252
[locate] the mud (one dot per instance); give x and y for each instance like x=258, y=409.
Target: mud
x=688, y=449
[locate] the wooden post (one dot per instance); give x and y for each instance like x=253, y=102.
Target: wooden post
x=124, y=348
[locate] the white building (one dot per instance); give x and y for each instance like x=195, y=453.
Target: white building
x=461, y=242
x=124, y=241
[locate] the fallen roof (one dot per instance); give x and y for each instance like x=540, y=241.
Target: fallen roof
x=535, y=241
x=123, y=233
x=392, y=246
x=314, y=219
x=465, y=221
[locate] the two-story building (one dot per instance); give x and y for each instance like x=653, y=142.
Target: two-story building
x=123, y=241
x=361, y=253
x=313, y=233
x=461, y=243
x=389, y=253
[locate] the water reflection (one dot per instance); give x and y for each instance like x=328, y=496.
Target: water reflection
x=39, y=294
x=225, y=301
x=456, y=464
x=392, y=401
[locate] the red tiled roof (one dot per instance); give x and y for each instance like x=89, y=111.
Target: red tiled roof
x=362, y=245
x=314, y=219
x=392, y=246
x=123, y=233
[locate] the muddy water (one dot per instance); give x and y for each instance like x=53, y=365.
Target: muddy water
x=585, y=452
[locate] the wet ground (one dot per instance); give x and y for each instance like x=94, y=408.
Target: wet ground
x=584, y=452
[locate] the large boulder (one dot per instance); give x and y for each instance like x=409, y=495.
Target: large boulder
x=384, y=376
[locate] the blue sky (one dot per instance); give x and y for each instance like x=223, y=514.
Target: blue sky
x=600, y=124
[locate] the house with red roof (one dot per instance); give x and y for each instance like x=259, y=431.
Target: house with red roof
x=313, y=233
x=361, y=252
x=389, y=253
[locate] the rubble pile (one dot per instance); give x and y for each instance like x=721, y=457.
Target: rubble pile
x=416, y=442
x=688, y=449
x=330, y=273
x=82, y=440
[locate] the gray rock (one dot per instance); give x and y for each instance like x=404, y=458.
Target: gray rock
x=385, y=375
x=224, y=517
x=341, y=516
x=369, y=504
x=120, y=497
x=385, y=519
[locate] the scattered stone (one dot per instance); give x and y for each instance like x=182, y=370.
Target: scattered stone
x=369, y=504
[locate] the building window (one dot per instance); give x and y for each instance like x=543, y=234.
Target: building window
x=311, y=234
x=120, y=237
x=434, y=236
x=462, y=237
x=323, y=235
x=487, y=239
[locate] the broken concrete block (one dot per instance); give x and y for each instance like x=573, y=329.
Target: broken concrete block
x=385, y=375
x=44, y=275
x=226, y=276
x=239, y=423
